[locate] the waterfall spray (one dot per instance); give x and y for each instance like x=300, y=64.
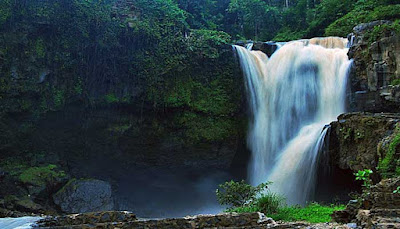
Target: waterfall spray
x=292, y=96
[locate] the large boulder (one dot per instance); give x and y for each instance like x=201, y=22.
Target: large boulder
x=79, y=196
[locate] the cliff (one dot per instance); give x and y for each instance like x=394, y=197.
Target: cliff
x=376, y=71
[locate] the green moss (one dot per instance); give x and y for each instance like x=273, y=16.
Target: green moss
x=5, y=11
x=59, y=98
x=346, y=132
x=40, y=48
x=78, y=88
x=395, y=82
x=40, y=175
x=199, y=127
x=111, y=98
x=67, y=185
x=119, y=128
x=389, y=165
x=359, y=134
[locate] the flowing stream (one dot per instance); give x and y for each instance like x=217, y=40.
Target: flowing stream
x=18, y=223
x=293, y=95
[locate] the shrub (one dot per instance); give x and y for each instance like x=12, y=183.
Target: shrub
x=364, y=175
x=269, y=203
x=239, y=194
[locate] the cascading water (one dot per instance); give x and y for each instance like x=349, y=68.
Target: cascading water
x=292, y=96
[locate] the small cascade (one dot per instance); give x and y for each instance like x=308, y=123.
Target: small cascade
x=292, y=96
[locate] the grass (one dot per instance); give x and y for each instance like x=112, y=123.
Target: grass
x=313, y=213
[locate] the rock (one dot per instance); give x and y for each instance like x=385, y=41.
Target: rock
x=363, y=27
x=355, y=138
x=379, y=207
x=27, y=205
x=79, y=196
x=374, y=68
x=128, y=220
x=88, y=218
x=5, y=213
x=381, y=195
x=266, y=47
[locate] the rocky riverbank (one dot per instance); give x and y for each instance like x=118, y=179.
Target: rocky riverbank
x=129, y=220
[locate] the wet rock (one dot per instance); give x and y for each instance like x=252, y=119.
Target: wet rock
x=79, y=196
x=266, y=47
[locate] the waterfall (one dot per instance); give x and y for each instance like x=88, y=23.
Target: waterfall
x=292, y=96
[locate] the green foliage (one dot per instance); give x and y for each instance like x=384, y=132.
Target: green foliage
x=258, y=19
x=364, y=175
x=363, y=12
x=383, y=30
x=5, y=11
x=111, y=98
x=40, y=48
x=239, y=194
x=389, y=165
x=397, y=190
x=59, y=98
x=268, y=204
x=206, y=128
x=272, y=206
x=395, y=82
x=206, y=42
x=313, y=213
x=41, y=175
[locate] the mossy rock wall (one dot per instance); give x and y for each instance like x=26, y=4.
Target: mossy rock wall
x=358, y=141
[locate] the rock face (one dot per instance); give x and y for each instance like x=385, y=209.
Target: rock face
x=378, y=207
x=79, y=196
x=128, y=220
x=355, y=138
x=88, y=218
x=382, y=196
x=375, y=67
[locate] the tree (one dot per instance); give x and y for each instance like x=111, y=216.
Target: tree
x=256, y=18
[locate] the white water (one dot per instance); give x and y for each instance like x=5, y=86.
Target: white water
x=18, y=223
x=292, y=96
